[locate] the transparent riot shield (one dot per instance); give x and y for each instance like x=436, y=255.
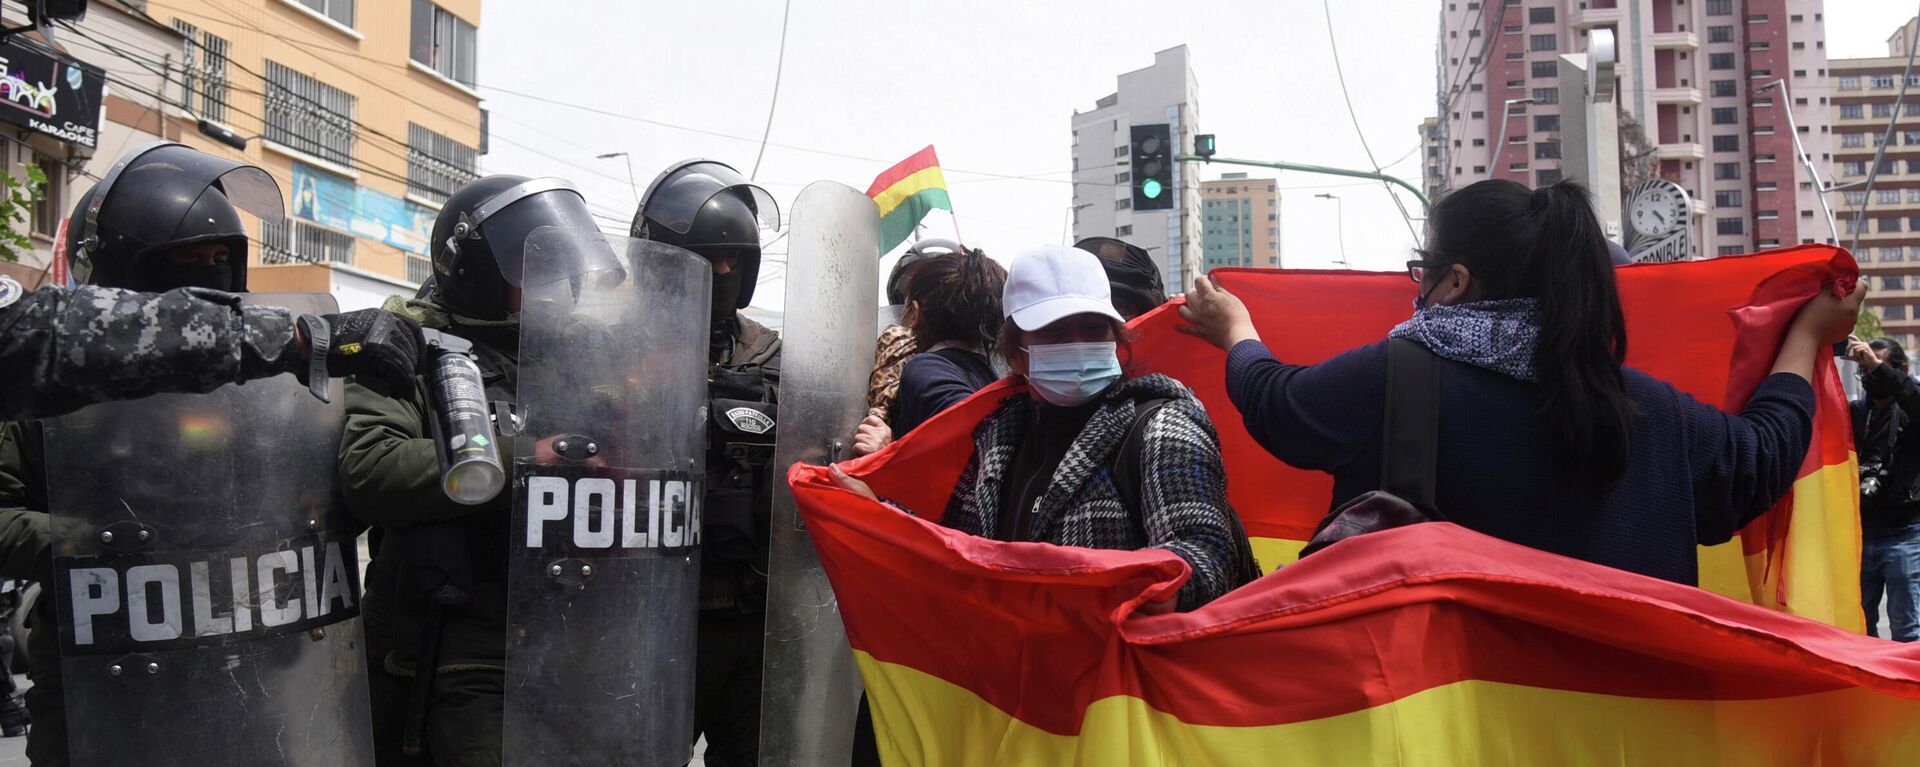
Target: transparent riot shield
x=207, y=579
x=812, y=689
x=603, y=564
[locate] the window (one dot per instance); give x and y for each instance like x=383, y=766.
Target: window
x=1850, y=111
x=1893, y=311
x=1759, y=46
x=1912, y=137
x=1543, y=42
x=1890, y=254
x=1510, y=29
x=1479, y=169
x=1853, y=139
x=1546, y=123
x=1799, y=46
x=1883, y=82
x=1123, y=231
x=437, y=165
x=1893, y=282
x=204, y=77
x=1888, y=224
x=1719, y=61
x=1726, y=143
x=46, y=210
x=1540, y=15
x=294, y=241
x=1883, y=110
x=443, y=42
x=1886, y=195
x=1724, y=171
x=1476, y=87
x=1726, y=115
x=1730, y=225
x=1544, y=69
x=1546, y=95
x=1479, y=142
x=1757, y=18
x=1854, y=198
x=1913, y=109
x=1515, y=55
x=1478, y=115
x=1719, y=34
x=338, y=10
x=1546, y=177
x=1719, y=7
x=1913, y=195
x=1124, y=203
x=1729, y=250
x=1119, y=151
x=1123, y=178
x=1727, y=199
x=1724, y=88
x=1546, y=150
x=1853, y=168
x=1768, y=215
x=308, y=115
x=1516, y=83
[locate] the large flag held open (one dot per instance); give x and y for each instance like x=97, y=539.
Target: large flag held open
x=905, y=194
x=1427, y=645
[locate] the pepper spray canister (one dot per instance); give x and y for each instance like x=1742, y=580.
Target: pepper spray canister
x=470, y=468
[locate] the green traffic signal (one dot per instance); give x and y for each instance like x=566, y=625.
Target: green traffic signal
x=1150, y=188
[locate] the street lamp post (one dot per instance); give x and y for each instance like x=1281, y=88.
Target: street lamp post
x=1506, y=114
x=1793, y=129
x=630, y=182
x=1339, y=225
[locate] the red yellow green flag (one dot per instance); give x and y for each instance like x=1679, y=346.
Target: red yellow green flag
x=905, y=193
x=1427, y=645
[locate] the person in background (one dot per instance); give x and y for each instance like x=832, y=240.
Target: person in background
x=1545, y=438
x=955, y=318
x=1133, y=276
x=895, y=345
x=1889, y=472
x=1048, y=466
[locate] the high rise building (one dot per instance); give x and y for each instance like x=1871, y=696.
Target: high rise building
x=1433, y=154
x=1239, y=222
x=1690, y=76
x=1102, y=185
x=1887, y=218
x=365, y=113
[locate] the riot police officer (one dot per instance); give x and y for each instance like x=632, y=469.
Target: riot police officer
x=707, y=207
x=435, y=603
x=165, y=218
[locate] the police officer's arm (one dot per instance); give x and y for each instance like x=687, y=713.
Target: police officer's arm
x=388, y=467
x=25, y=537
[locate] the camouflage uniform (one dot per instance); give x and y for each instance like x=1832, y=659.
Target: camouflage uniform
x=64, y=349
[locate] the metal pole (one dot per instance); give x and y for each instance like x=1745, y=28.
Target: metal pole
x=1303, y=168
x=631, y=184
x=1506, y=114
x=1340, y=226
x=1786, y=105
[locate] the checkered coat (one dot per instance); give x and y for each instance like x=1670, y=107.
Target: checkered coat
x=1183, y=487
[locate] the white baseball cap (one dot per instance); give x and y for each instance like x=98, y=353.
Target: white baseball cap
x=1055, y=281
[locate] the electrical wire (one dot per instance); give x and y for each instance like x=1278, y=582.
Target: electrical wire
x=1327, y=9
x=779, y=67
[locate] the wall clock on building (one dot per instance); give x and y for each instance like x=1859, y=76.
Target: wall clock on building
x=1659, y=212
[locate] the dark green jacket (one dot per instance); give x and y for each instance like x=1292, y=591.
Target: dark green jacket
x=390, y=475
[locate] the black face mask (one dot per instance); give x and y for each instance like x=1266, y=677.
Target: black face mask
x=159, y=274
x=726, y=293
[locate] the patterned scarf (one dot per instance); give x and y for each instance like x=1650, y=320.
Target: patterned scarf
x=1500, y=336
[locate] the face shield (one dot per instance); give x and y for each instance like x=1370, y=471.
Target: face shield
x=158, y=195
x=676, y=198
x=506, y=220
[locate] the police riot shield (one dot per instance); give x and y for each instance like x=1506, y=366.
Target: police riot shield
x=608, y=469
x=207, y=577
x=812, y=689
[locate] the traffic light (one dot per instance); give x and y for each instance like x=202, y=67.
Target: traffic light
x=1152, y=167
x=1203, y=145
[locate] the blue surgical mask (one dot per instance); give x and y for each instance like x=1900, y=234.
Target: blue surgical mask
x=1072, y=374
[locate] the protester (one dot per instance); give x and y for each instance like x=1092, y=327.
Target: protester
x=1889, y=471
x=896, y=345
x=1040, y=462
x=955, y=318
x=1545, y=438
x=1134, y=277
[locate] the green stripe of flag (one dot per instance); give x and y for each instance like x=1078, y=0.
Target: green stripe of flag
x=898, y=225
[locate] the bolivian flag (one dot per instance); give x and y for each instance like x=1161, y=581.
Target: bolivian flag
x=905, y=193
x=1426, y=645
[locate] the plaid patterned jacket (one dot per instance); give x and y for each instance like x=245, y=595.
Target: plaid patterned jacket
x=1183, y=485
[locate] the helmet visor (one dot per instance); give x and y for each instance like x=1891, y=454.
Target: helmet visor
x=677, y=198
x=154, y=187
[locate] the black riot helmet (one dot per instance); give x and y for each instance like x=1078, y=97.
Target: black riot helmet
x=709, y=208
x=479, y=239
x=1134, y=277
x=162, y=197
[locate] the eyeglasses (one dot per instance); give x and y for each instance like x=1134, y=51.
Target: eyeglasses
x=1417, y=268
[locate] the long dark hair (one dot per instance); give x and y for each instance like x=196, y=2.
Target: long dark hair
x=1547, y=244
x=959, y=299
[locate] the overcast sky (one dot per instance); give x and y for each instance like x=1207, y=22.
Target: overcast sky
x=992, y=85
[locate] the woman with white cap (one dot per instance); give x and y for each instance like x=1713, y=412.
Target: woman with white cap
x=1089, y=457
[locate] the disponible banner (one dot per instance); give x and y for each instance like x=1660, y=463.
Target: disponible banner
x=339, y=203
x=51, y=95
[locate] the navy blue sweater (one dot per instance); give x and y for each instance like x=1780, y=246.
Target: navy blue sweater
x=934, y=381
x=1695, y=475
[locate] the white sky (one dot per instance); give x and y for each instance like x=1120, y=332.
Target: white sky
x=991, y=85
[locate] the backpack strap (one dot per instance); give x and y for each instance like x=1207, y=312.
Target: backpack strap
x=1125, y=472
x=1410, y=428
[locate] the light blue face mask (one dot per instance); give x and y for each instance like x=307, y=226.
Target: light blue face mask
x=1072, y=374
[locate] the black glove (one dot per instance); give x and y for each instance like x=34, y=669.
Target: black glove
x=368, y=342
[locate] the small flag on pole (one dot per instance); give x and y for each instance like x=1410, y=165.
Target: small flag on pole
x=905, y=193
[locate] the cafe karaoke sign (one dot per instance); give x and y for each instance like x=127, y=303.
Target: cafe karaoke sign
x=51, y=95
